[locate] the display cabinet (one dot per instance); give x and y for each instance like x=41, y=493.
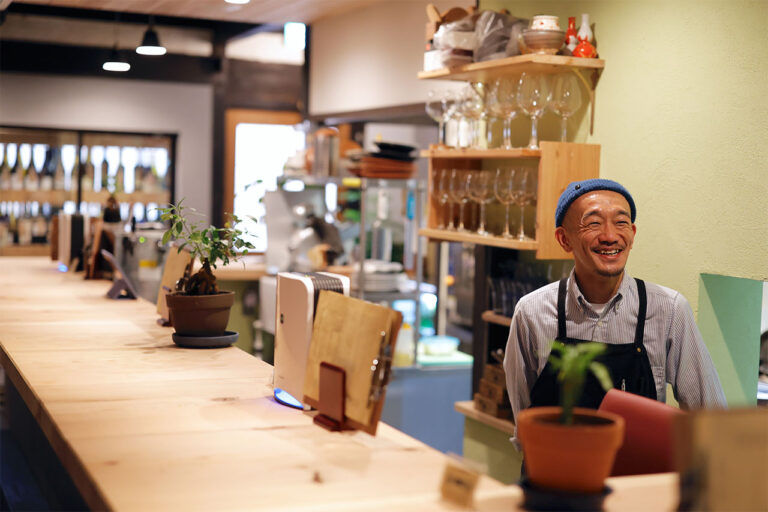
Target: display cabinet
x=45, y=170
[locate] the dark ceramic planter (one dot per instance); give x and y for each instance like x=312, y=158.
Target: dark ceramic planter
x=200, y=315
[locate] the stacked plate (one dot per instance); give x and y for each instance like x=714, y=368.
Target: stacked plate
x=391, y=161
x=381, y=276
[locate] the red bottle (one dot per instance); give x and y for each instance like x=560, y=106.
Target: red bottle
x=571, y=37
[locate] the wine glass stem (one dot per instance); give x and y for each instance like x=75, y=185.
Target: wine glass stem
x=461, y=216
x=507, y=133
x=451, y=225
x=481, y=229
x=506, y=221
x=521, y=231
x=534, y=143
x=441, y=132
x=563, y=129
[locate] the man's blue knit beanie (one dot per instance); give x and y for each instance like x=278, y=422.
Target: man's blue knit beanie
x=576, y=189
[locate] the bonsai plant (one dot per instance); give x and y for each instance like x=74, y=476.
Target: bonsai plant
x=569, y=448
x=197, y=307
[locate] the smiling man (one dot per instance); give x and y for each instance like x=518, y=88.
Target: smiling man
x=649, y=330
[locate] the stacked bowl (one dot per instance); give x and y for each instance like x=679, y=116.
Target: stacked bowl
x=542, y=36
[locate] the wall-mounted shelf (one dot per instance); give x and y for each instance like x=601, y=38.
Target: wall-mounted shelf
x=471, y=238
x=443, y=152
x=559, y=163
x=499, y=68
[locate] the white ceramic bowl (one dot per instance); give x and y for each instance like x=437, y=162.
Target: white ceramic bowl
x=544, y=22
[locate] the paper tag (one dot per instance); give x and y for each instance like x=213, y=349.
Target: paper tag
x=459, y=483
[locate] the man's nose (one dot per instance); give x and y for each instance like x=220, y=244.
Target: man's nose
x=608, y=234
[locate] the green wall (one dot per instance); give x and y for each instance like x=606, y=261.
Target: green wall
x=682, y=120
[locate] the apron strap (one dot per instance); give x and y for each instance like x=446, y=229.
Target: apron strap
x=640, y=330
x=561, y=293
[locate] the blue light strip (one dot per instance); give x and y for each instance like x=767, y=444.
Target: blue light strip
x=286, y=398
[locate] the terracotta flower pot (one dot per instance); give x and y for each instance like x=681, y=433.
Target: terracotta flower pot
x=574, y=458
x=200, y=315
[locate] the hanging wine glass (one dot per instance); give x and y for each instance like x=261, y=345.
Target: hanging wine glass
x=524, y=190
x=502, y=103
x=566, y=99
x=434, y=108
x=533, y=96
x=479, y=187
x=504, y=192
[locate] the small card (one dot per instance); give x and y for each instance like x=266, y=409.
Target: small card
x=459, y=483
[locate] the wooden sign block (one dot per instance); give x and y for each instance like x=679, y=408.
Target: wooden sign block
x=723, y=458
x=495, y=374
x=347, y=333
x=488, y=406
x=459, y=484
x=495, y=392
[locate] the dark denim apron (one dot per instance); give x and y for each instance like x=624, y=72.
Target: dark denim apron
x=627, y=363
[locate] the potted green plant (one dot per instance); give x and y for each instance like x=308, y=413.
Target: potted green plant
x=197, y=307
x=568, y=448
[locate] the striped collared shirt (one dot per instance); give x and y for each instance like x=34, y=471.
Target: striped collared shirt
x=675, y=348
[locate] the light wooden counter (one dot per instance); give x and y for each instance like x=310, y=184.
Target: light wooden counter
x=140, y=424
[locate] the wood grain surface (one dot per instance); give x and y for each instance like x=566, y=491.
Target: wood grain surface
x=140, y=424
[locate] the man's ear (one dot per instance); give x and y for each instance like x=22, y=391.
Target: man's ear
x=562, y=239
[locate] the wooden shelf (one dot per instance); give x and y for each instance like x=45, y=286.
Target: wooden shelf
x=495, y=318
x=493, y=69
x=480, y=153
x=467, y=408
x=26, y=250
x=496, y=241
x=89, y=196
x=55, y=197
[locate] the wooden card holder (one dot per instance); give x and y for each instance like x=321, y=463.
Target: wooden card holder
x=121, y=286
x=332, y=383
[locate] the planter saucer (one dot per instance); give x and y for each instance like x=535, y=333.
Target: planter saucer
x=537, y=498
x=224, y=340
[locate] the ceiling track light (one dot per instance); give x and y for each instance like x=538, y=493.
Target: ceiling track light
x=239, y=2
x=150, y=44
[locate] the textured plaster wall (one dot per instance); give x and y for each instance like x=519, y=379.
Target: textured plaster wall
x=682, y=118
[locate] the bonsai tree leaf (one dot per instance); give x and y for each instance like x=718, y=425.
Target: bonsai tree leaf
x=166, y=237
x=601, y=372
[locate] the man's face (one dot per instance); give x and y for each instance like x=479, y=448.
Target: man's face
x=598, y=230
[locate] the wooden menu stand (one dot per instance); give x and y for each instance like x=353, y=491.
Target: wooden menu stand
x=332, y=388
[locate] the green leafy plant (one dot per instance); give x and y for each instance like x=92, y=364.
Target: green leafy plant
x=572, y=362
x=208, y=244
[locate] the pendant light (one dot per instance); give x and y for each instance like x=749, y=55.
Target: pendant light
x=150, y=44
x=116, y=61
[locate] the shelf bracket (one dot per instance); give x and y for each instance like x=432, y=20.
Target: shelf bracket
x=593, y=78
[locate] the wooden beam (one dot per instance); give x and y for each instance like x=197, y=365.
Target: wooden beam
x=28, y=57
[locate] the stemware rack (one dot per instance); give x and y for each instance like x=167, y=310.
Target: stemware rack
x=557, y=163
